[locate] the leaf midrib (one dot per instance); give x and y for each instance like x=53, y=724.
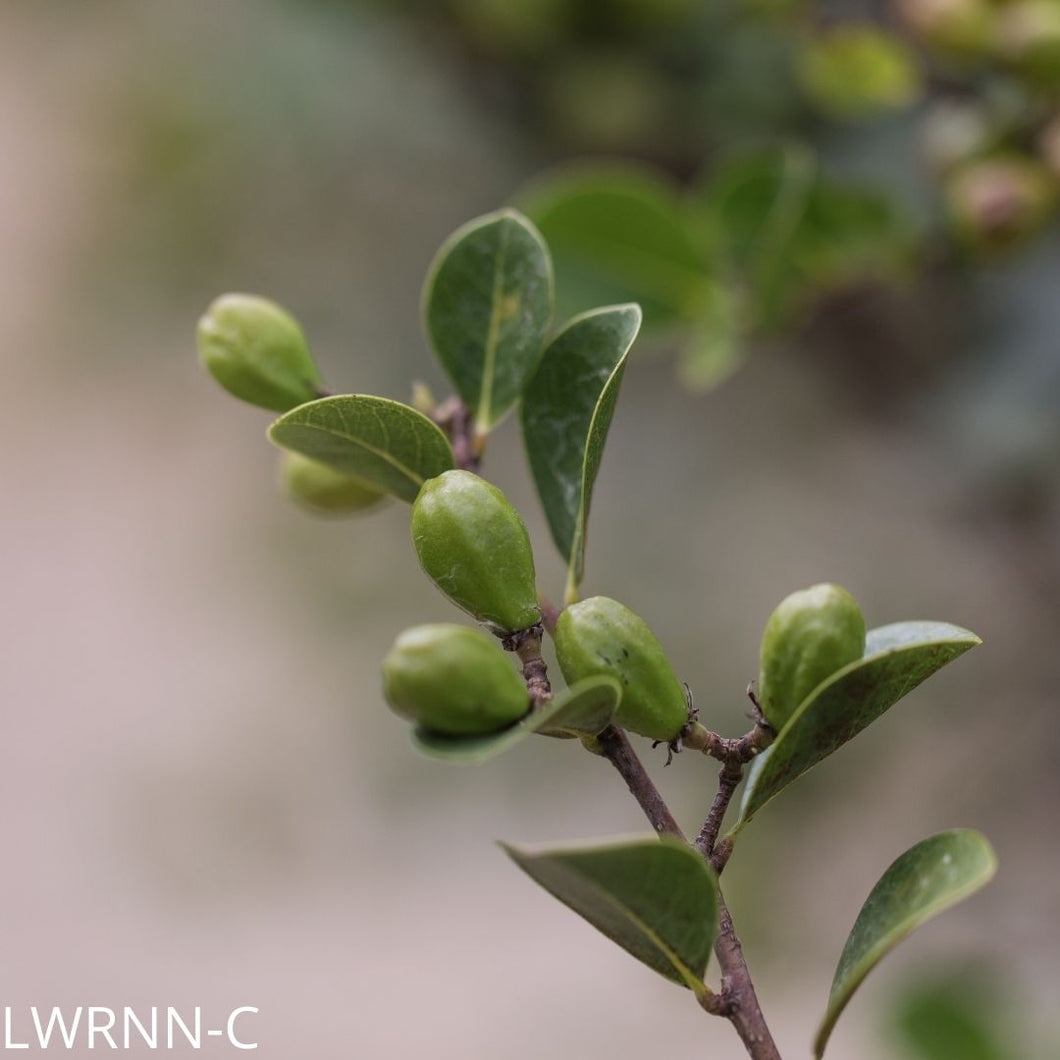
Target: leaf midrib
x=493, y=334
x=683, y=970
x=381, y=453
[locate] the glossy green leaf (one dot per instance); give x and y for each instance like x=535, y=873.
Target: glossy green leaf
x=658, y=899
x=487, y=304
x=897, y=658
x=566, y=413
x=620, y=234
x=926, y=880
x=385, y=444
x=584, y=709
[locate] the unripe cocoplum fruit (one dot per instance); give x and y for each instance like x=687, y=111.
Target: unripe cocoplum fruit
x=257, y=352
x=474, y=546
x=602, y=636
x=322, y=489
x=453, y=680
x=813, y=633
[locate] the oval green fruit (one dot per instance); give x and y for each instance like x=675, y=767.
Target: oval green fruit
x=601, y=636
x=474, y=546
x=257, y=352
x=322, y=489
x=813, y=633
x=453, y=680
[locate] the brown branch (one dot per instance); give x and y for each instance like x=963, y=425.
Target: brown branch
x=737, y=1000
x=738, y=990
x=615, y=747
x=728, y=781
x=455, y=418
x=526, y=643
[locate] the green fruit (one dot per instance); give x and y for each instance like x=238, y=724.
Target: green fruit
x=602, y=636
x=257, y=352
x=453, y=680
x=322, y=489
x=473, y=545
x=812, y=634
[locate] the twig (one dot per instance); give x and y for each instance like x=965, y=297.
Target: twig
x=615, y=747
x=455, y=418
x=737, y=1001
x=526, y=643
x=728, y=780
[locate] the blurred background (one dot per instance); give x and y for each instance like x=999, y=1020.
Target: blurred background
x=841, y=220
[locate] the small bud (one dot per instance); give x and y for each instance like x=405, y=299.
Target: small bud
x=474, y=546
x=812, y=634
x=453, y=680
x=257, y=352
x=995, y=203
x=322, y=489
x=960, y=27
x=1029, y=36
x=601, y=636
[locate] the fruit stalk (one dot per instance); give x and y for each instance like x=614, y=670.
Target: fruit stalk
x=527, y=645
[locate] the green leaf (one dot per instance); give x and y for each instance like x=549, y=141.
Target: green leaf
x=566, y=413
x=385, y=444
x=926, y=880
x=584, y=709
x=620, y=234
x=897, y=658
x=658, y=899
x=487, y=304
x=756, y=205
x=793, y=234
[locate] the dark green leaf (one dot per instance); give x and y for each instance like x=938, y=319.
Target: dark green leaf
x=566, y=412
x=383, y=443
x=584, y=709
x=657, y=899
x=619, y=234
x=926, y=880
x=487, y=304
x=897, y=659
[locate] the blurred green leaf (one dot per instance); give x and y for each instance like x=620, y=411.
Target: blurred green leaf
x=566, y=413
x=927, y=879
x=717, y=345
x=790, y=234
x=584, y=709
x=619, y=234
x=657, y=899
x=487, y=304
x=954, y=1017
x=897, y=658
x=385, y=444
x=853, y=71
x=756, y=204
